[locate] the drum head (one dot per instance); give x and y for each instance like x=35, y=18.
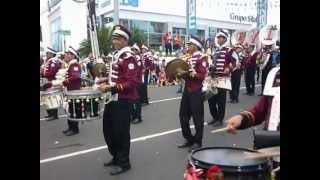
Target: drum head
x=230, y=159
x=51, y=91
x=83, y=93
x=173, y=67
x=276, y=159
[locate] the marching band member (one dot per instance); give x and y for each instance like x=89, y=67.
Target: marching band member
x=250, y=68
x=148, y=66
x=266, y=64
x=220, y=68
x=236, y=73
x=72, y=82
x=123, y=87
x=192, y=103
x=51, y=67
x=267, y=110
x=136, y=116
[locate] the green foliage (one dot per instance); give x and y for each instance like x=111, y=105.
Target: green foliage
x=105, y=44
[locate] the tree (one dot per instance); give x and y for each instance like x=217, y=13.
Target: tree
x=105, y=44
x=137, y=36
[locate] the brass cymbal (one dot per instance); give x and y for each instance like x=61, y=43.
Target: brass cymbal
x=175, y=66
x=99, y=69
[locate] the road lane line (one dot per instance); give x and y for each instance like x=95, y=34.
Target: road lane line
x=151, y=102
x=105, y=146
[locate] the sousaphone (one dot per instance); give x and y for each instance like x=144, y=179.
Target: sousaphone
x=99, y=70
x=268, y=35
x=238, y=37
x=252, y=38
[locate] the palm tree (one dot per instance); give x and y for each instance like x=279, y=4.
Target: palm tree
x=104, y=39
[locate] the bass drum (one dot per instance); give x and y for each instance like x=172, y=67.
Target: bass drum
x=232, y=162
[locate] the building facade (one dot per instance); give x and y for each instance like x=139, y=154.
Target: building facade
x=170, y=16
x=64, y=24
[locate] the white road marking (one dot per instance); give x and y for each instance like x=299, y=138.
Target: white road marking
x=133, y=140
x=151, y=102
x=105, y=147
x=60, y=116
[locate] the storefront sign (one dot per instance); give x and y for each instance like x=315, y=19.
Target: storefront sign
x=249, y=19
x=192, y=17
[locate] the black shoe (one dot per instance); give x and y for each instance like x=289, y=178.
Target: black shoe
x=118, y=169
x=232, y=101
x=71, y=133
x=218, y=123
x=50, y=118
x=194, y=147
x=112, y=162
x=186, y=144
x=136, y=121
x=236, y=101
x=212, y=122
x=65, y=131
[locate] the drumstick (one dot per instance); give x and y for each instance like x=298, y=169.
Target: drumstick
x=263, y=153
x=251, y=155
x=219, y=130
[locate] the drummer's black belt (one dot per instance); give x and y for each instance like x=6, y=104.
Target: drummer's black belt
x=264, y=138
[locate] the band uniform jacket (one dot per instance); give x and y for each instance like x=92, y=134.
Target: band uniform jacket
x=140, y=68
x=124, y=74
x=250, y=61
x=198, y=66
x=147, y=62
x=222, y=60
x=258, y=114
x=51, y=68
x=73, y=76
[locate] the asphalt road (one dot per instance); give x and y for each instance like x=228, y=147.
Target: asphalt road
x=154, y=154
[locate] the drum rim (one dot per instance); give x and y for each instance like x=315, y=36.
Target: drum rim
x=52, y=91
x=85, y=119
x=231, y=169
x=73, y=93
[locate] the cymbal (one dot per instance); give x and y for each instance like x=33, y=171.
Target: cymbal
x=98, y=69
x=175, y=66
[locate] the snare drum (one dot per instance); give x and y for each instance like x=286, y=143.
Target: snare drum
x=232, y=163
x=84, y=105
x=52, y=98
x=276, y=167
x=43, y=81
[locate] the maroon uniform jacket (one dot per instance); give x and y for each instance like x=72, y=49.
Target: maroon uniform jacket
x=51, y=68
x=124, y=74
x=147, y=62
x=140, y=67
x=222, y=61
x=250, y=61
x=73, y=76
x=259, y=113
x=198, y=63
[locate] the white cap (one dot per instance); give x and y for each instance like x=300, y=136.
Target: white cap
x=73, y=51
